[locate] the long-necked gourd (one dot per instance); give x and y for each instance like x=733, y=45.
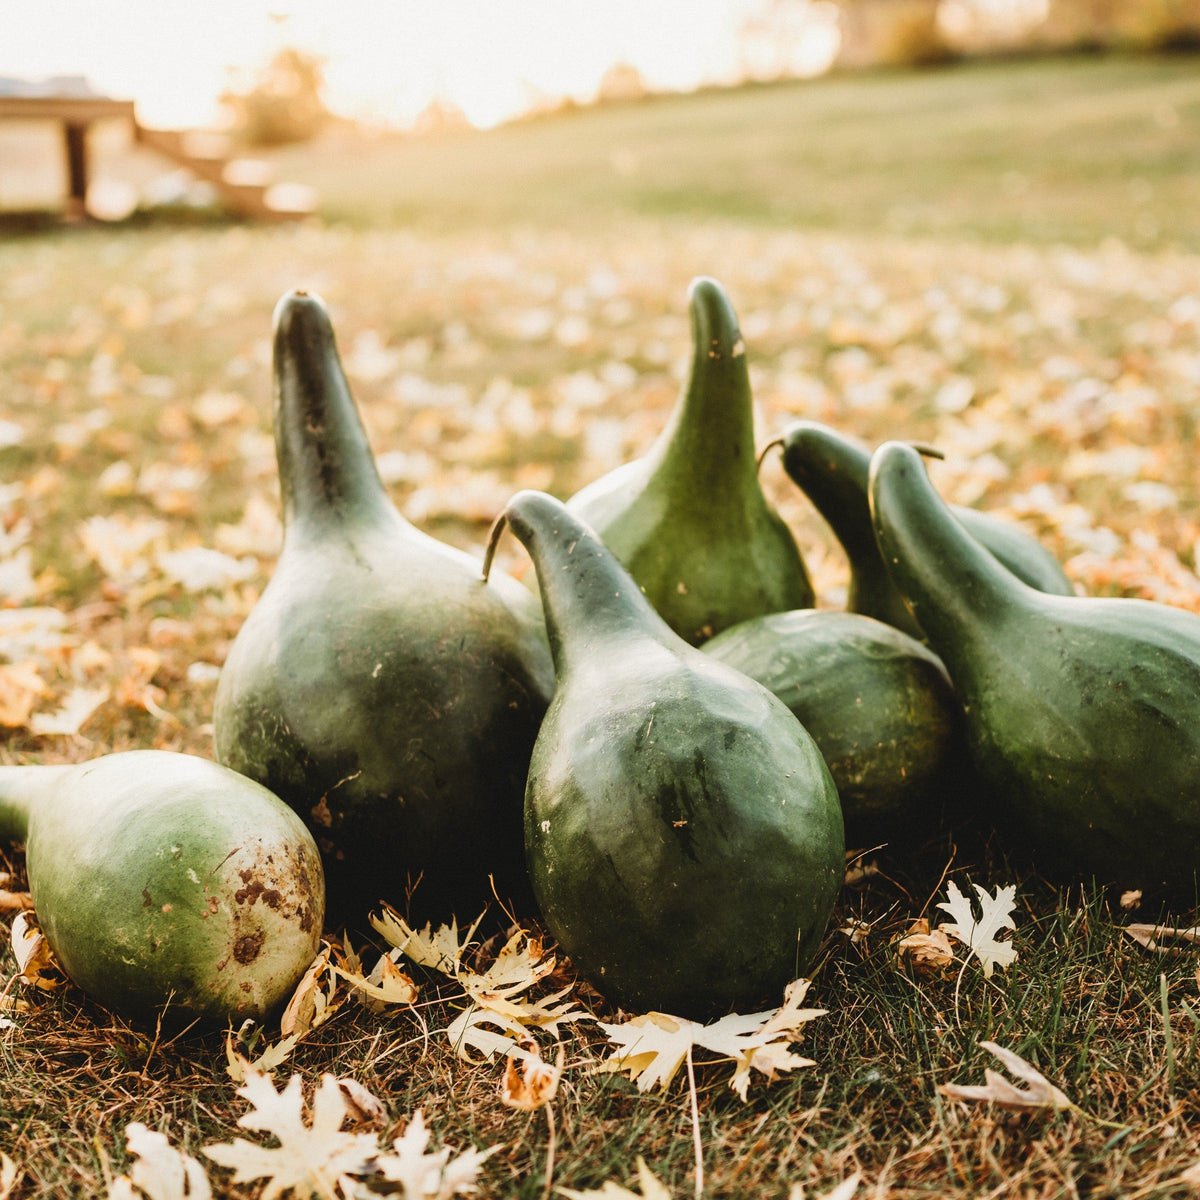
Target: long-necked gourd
x=831, y=469
x=683, y=834
x=378, y=686
x=689, y=519
x=1082, y=713
x=167, y=884
x=877, y=702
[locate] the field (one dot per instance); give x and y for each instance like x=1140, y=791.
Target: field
x=1003, y=261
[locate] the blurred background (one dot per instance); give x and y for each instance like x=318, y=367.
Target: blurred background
x=377, y=112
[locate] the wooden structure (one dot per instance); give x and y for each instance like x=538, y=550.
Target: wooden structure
x=242, y=184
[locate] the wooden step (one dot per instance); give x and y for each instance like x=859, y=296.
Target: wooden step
x=244, y=184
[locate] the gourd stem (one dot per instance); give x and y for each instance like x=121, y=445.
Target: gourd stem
x=762, y=454
x=580, y=580
x=710, y=433
x=21, y=788
x=492, y=541
x=327, y=473
x=832, y=472
x=951, y=581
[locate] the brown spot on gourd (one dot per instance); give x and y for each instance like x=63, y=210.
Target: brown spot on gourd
x=247, y=948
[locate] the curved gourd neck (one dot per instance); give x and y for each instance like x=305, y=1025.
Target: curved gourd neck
x=832, y=472
x=709, y=436
x=588, y=598
x=953, y=584
x=327, y=474
x=21, y=789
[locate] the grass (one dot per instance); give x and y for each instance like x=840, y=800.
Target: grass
x=1004, y=150
x=531, y=333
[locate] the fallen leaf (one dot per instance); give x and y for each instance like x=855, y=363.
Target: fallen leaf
x=653, y=1047
x=979, y=935
x=928, y=950
x=649, y=1188
x=237, y=1065
x=441, y=949
x=426, y=1176
x=1039, y=1092
x=313, y=1158
x=1159, y=938
x=161, y=1172
x=36, y=964
x=69, y=719
x=21, y=686
x=386, y=984
x=311, y=1003
x=535, y=1082
x=9, y=1174
x=844, y=1190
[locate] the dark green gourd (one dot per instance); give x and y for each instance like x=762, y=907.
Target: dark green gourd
x=877, y=702
x=166, y=882
x=689, y=520
x=832, y=471
x=378, y=686
x=683, y=834
x=1082, y=714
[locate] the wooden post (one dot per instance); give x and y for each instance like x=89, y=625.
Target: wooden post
x=75, y=142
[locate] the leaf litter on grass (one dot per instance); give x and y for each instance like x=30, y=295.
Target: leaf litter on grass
x=1058, y=382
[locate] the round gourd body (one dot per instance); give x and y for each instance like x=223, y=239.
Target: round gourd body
x=394, y=704
x=164, y=881
x=878, y=703
x=683, y=834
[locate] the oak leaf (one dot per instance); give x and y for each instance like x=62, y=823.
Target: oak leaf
x=653, y=1047
x=978, y=934
x=160, y=1171
x=314, y=1158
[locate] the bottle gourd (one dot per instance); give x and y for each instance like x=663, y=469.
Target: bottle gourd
x=165, y=883
x=683, y=834
x=377, y=686
x=877, y=702
x=689, y=520
x=832, y=472
x=1082, y=714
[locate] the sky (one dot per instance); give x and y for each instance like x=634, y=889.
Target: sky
x=386, y=59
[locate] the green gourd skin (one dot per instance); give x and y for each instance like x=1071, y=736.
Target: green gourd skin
x=832, y=472
x=1082, y=714
x=683, y=834
x=379, y=686
x=689, y=520
x=877, y=702
x=168, y=884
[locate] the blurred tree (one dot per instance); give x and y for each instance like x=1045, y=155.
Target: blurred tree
x=283, y=103
x=891, y=33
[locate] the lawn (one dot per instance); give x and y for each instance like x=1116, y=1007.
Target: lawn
x=1002, y=260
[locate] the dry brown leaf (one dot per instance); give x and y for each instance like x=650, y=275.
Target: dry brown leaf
x=535, y=1083
x=312, y=1003
x=36, y=965
x=928, y=950
x=1039, y=1092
